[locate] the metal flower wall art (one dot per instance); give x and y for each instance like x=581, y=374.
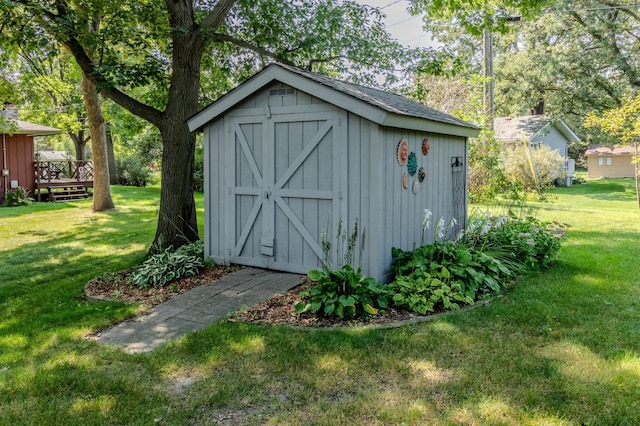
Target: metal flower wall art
x=411, y=160
x=403, y=152
x=412, y=164
x=426, y=146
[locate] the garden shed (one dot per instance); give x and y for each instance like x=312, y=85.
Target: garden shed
x=291, y=155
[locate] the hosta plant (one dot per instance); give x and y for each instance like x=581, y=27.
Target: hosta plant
x=344, y=293
x=161, y=269
x=528, y=240
x=422, y=292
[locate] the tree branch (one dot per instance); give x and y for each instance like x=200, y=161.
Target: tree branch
x=311, y=62
x=50, y=20
x=628, y=11
x=612, y=45
x=258, y=49
x=218, y=14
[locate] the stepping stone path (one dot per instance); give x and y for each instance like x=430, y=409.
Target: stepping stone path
x=198, y=308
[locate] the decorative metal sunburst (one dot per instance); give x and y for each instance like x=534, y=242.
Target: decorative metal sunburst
x=412, y=164
x=426, y=146
x=403, y=152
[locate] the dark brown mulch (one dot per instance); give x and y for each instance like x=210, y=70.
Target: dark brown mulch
x=116, y=287
x=278, y=310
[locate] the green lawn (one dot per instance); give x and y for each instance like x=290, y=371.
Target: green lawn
x=560, y=347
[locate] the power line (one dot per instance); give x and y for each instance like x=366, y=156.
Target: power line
x=586, y=9
x=402, y=21
x=593, y=9
x=390, y=4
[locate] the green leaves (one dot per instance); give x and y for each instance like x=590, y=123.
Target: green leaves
x=448, y=274
x=314, y=275
x=17, y=197
x=161, y=269
x=474, y=16
x=344, y=293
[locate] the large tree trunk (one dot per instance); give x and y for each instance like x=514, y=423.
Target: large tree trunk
x=101, y=191
x=80, y=144
x=177, y=221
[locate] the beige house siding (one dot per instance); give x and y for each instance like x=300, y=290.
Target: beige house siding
x=618, y=166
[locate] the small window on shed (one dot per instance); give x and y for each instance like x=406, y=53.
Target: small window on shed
x=600, y=161
x=609, y=161
x=282, y=91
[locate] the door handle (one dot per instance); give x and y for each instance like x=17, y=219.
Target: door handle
x=267, y=194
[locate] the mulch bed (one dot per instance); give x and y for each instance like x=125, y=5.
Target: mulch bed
x=116, y=287
x=277, y=310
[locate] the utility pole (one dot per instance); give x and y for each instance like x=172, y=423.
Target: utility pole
x=487, y=70
x=487, y=74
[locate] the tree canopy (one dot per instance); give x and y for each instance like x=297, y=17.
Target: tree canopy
x=163, y=60
x=564, y=58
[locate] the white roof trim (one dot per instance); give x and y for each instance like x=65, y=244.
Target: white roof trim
x=566, y=131
x=327, y=94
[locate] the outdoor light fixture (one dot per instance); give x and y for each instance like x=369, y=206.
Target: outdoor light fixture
x=456, y=164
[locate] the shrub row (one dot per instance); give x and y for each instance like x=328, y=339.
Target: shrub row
x=444, y=275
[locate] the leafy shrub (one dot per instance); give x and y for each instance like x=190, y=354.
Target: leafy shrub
x=161, y=269
x=527, y=240
x=345, y=293
x=17, y=197
x=479, y=262
x=461, y=268
x=421, y=291
x=133, y=172
x=547, y=163
x=195, y=249
x=486, y=177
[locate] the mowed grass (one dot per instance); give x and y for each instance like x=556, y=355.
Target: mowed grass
x=559, y=347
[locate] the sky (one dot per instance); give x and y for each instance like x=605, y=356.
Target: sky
x=400, y=24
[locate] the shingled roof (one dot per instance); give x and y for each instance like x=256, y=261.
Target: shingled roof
x=25, y=128
x=513, y=129
x=596, y=150
x=387, y=101
x=379, y=106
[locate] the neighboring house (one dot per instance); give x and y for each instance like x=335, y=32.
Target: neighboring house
x=610, y=162
x=535, y=130
x=17, y=152
x=290, y=155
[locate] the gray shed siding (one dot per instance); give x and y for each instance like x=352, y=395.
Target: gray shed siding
x=357, y=163
x=402, y=209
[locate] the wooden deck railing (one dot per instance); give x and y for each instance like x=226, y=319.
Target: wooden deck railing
x=56, y=172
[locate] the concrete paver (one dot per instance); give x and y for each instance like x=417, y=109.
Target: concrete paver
x=197, y=308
